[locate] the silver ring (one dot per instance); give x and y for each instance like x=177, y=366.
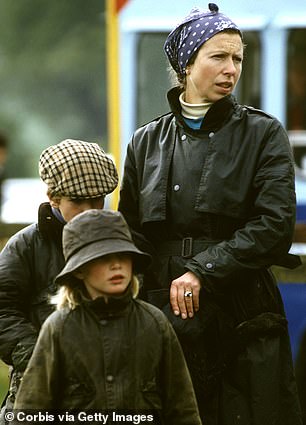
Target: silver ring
x=188, y=294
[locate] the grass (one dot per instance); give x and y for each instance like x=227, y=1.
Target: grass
x=3, y=380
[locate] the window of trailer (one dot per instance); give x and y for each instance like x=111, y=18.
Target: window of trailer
x=296, y=95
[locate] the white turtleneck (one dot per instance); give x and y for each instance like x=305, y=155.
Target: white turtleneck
x=193, y=111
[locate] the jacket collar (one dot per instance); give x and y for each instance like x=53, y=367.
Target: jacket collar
x=49, y=226
x=217, y=115
x=114, y=307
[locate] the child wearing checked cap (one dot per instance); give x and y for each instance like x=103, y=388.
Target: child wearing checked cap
x=103, y=350
x=78, y=176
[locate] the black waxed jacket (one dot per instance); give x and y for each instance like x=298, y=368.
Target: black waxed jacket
x=121, y=356
x=237, y=346
x=247, y=146
x=28, y=264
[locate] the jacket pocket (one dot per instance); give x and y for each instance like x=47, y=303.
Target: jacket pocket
x=76, y=388
x=151, y=395
x=79, y=387
x=254, y=295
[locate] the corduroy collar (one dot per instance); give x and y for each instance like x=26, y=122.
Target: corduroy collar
x=114, y=307
x=49, y=226
x=217, y=115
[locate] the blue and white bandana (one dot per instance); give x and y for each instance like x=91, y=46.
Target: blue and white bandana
x=195, y=29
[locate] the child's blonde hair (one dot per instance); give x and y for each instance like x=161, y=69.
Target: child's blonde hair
x=73, y=292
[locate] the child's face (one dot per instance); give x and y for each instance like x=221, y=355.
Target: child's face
x=107, y=275
x=69, y=208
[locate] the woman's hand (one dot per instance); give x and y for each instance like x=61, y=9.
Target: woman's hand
x=184, y=295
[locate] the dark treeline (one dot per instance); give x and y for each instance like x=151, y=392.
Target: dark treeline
x=52, y=74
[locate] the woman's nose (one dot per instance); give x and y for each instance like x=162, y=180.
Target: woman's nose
x=230, y=67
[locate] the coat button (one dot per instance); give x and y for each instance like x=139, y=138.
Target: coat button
x=209, y=267
x=176, y=187
x=109, y=378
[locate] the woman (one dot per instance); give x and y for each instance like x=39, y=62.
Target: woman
x=208, y=189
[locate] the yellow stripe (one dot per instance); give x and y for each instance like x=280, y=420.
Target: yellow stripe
x=113, y=103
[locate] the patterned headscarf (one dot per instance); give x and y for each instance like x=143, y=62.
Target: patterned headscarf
x=189, y=35
x=78, y=170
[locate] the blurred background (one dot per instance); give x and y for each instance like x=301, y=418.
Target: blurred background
x=53, y=83
x=52, y=76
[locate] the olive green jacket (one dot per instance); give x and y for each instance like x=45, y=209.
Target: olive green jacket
x=119, y=356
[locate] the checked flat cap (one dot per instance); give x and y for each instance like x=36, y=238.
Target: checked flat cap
x=78, y=170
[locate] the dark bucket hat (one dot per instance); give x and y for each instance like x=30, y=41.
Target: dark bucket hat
x=93, y=234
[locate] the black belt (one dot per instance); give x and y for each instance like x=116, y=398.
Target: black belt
x=186, y=248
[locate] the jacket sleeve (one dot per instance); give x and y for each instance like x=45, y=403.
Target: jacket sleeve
x=266, y=236
x=17, y=334
x=179, y=401
x=129, y=199
x=40, y=383
x=129, y=202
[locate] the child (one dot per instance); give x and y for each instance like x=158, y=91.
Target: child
x=78, y=176
x=104, y=350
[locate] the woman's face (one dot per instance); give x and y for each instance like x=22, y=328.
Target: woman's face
x=107, y=275
x=216, y=69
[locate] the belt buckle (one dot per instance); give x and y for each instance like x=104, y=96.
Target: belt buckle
x=187, y=247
